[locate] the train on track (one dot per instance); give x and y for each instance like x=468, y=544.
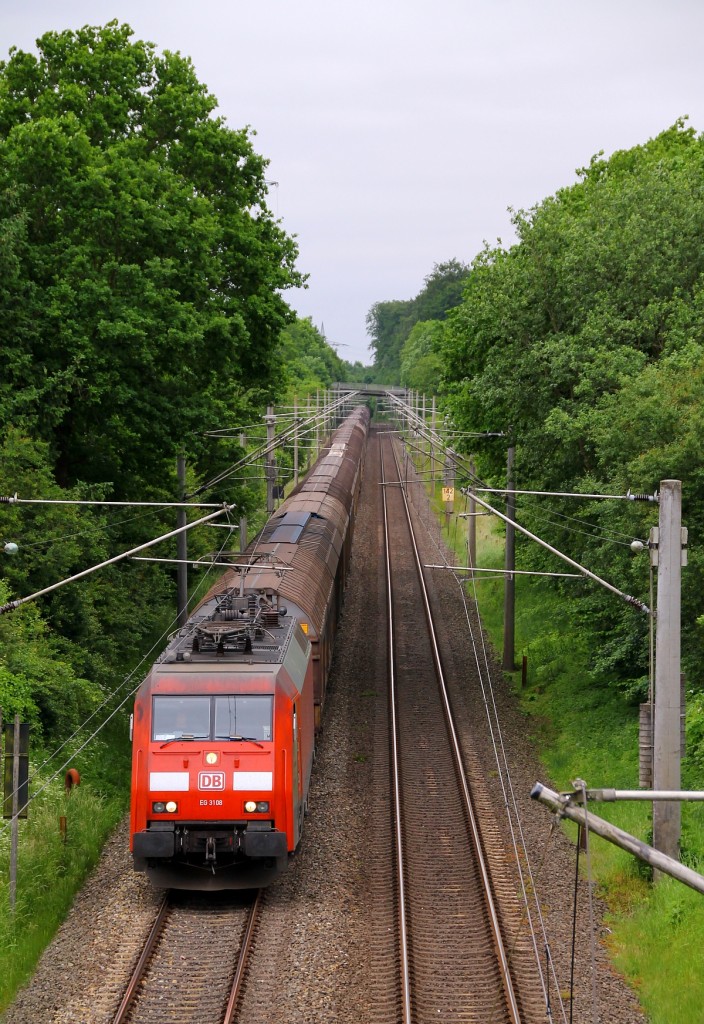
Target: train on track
x=224, y=724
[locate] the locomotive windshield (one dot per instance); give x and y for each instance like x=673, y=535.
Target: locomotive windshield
x=201, y=718
x=243, y=716
x=185, y=718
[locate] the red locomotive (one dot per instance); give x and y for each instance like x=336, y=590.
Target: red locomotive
x=225, y=722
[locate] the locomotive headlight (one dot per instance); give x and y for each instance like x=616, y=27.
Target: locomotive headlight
x=256, y=806
x=211, y=757
x=159, y=807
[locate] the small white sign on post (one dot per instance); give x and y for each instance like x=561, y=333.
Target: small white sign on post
x=448, y=494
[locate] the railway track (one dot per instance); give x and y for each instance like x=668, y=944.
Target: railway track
x=193, y=964
x=452, y=962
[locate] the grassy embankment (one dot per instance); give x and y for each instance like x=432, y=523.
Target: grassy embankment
x=584, y=728
x=52, y=867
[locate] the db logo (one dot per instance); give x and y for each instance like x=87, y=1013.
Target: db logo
x=211, y=780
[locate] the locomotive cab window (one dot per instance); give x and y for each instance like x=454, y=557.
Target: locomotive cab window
x=234, y=717
x=243, y=717
x=181, y=718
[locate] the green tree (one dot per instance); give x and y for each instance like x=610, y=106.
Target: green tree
x=421, y=363
x=390, y=323
x=309, y=361
x=585, y=339
x=358, y=373
x=386, y=328
x=141, y=280
x=595, y=288
x=141, y=267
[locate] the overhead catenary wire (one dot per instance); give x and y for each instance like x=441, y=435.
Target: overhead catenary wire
x=550, y=515
x=193, y=563
x=232, y=433
x=15, y=500
x=92, y=528
x=437, y=440
x=12, y=605
x=633, y=601
x=628, y=598
x=111, y=696
x=570, y=494
x=227, y=565
x=268, y=447
x=504, y=572
x=419, y=425
x=541, y=514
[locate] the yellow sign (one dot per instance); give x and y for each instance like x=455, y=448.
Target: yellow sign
x=304, y=627
x=448, y=494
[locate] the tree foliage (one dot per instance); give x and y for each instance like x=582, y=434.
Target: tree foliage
x=141, y=268
x=309, y=361
x=390, y=323
x=421, y=363
x=586, y=341
x=141, y=280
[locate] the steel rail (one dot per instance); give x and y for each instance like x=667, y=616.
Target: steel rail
x=398, y=827
x=143, y=962
x=152, y=940
x=511, y=1001
x=247, y=941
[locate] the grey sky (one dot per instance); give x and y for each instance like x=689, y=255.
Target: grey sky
x=400, y=132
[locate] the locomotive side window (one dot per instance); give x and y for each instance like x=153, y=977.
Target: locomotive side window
x=181, y=718
x=243, y=717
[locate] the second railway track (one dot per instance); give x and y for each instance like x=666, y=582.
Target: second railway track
x=453, y=963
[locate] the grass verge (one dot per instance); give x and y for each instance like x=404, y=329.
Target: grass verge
x=52, y=866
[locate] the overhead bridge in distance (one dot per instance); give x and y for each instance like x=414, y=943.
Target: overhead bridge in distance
x=371, y=389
